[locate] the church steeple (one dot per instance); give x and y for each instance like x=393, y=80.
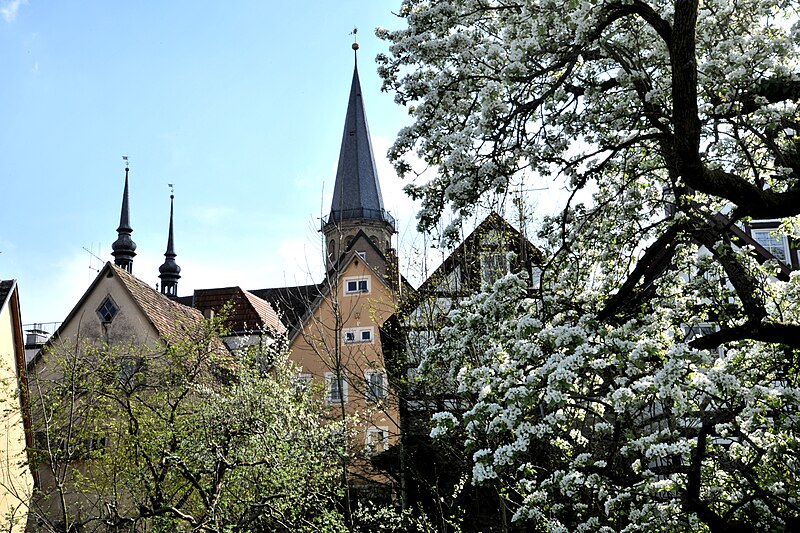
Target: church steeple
x=357, y=201
x=124, y=249
x=170, y=272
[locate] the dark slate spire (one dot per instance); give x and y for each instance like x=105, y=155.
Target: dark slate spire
x=124, y=249
x=357, y=192
x=170, y=272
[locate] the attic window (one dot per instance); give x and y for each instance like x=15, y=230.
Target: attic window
x=107, y=310
x=356, y=286
x=494, y=265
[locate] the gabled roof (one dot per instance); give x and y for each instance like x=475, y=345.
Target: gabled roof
x=357, y=192
x=248, y=313
x=170, y=319
x=324, y=288
x=472, y=243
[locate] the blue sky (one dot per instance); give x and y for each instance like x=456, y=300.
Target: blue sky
x=239, y=104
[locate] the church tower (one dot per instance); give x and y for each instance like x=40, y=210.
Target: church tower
x=357, y=201
x=170, y=272
x=124, y=249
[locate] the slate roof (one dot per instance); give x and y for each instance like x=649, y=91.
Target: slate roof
x=5, y=290
x=291, y=303
x=249, y=312
x=357, y=192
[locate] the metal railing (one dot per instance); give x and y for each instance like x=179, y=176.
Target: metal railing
x=364, y=213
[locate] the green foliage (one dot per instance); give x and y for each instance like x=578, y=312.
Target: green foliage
x=187, y=437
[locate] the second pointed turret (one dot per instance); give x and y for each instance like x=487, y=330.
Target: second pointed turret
x=170, y=272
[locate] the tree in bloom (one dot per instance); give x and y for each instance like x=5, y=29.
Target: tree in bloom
x=182, y=437
x=653, y=383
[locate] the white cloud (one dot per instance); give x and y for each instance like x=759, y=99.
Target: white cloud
x=10, y=8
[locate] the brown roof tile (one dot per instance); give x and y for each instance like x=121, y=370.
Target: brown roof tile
x=172, y=320
x=248, y=311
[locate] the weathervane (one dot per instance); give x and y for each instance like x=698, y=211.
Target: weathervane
x=125, y=158
x=171, y=191
x=355, y=44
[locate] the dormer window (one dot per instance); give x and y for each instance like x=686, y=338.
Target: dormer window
x=107, y=310
x=356, y=286
x=773, y=242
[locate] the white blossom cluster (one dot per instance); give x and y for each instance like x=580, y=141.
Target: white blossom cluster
x=618, y=421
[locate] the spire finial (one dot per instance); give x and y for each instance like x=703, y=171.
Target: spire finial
x=354, y=46
x=170, y=272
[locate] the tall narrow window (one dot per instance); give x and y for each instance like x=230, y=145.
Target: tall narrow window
x=377, y=440
x=335, y=388
x=376, y=385
x=494, y=265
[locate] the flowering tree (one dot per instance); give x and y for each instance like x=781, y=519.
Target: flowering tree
x=653, y=384
x=185, y=437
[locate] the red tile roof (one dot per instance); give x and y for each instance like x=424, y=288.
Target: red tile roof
x=248, y=311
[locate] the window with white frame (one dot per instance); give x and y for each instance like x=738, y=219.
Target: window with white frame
x=356, y=286
x=131, y=372
x=774, y=242
x=701, y=329
x=301, y=383
x=376, y=385
x=377, y=440
x=357, y=335
x=335, y=388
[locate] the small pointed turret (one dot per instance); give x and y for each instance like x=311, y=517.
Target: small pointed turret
x=357, y=201
x=124, y=249
x=170, y=272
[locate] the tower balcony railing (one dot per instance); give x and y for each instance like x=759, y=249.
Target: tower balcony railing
x=340, y=215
